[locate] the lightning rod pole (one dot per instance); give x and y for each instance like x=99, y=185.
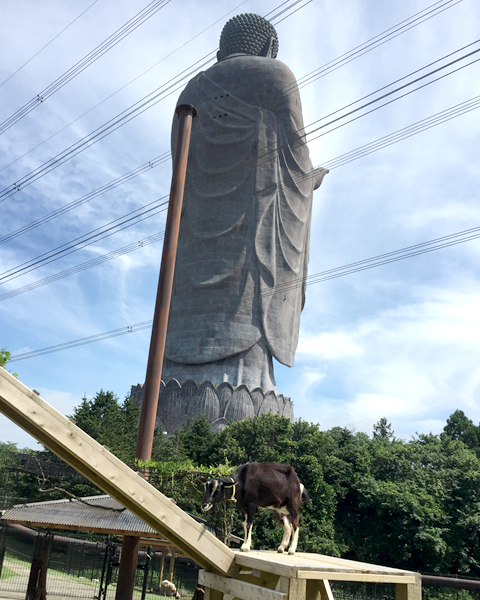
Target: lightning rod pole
x=151, y=389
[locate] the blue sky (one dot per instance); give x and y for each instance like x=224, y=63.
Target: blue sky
x=400, y=340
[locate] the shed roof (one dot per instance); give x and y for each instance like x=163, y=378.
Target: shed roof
x=93, y=513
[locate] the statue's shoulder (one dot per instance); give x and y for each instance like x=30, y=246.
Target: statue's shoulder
x=256, y=70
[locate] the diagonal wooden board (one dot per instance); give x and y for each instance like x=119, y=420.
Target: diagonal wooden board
x=25, y=408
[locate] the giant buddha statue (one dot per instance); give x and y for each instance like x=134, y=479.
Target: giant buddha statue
x=242, y=258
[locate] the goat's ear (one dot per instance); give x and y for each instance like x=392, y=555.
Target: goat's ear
x=202, y=478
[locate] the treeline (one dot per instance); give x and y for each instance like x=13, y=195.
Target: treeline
x=379, y=499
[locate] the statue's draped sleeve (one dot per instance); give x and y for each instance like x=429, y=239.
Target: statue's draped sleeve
x=243, y=248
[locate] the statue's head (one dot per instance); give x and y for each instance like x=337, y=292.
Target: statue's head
x=248, y=34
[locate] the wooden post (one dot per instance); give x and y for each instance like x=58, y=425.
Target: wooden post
x=162, y=567
x=37, y=582
x=319, y=589
x=3, y=545
x=409, y=591
x=172, y=565
x=128, y=567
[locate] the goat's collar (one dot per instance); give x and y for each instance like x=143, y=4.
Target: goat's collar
x=232, y=485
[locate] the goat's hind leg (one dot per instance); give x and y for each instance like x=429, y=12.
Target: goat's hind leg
x=293, y=545
x=287, y=532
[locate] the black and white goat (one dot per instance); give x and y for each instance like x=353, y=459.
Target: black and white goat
x=261, y=485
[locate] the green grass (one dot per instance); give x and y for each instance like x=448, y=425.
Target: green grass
x=7, y=573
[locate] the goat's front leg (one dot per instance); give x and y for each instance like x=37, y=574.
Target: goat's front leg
x=287, y=531
x=247, y=529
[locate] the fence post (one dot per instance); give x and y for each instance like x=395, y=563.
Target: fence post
x=3, y=545
x=37, y=582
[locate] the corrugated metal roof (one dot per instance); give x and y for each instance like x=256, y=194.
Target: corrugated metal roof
x=93, y=513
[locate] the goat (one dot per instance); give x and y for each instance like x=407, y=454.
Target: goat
x=261, y=485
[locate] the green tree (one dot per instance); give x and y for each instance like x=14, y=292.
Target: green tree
x=460, y=427
x=115, y=425
x=5, y=357
x=383, y=430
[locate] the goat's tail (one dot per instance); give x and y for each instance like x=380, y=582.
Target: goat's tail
x=305, y=496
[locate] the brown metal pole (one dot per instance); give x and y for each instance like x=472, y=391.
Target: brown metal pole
x=153, y=378
x=151, y=389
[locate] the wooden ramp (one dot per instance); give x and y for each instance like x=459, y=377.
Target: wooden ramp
x=227, y=574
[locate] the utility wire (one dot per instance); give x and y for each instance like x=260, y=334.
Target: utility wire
x=360, y=152
x=85, y=62
x=83, y=241
x=155, y=162
x=99, y=133
x=86, y=265
x=68, y=247
x=48, y=44
x=121, y=119
x=377, y=41
x=122, y=88
x=56, y=161
x=362, y=265
x=162, y=158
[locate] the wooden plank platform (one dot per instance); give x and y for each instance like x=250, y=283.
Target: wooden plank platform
x=317, y=566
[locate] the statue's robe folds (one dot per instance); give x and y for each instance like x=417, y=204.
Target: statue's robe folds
x=244, y=234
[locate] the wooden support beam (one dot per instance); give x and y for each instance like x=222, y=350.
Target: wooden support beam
x=96, y=463
x=238, y=589
x=409, y=591
x=351, y=576
x=319, y=589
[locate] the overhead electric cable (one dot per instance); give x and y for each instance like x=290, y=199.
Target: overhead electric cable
x=99, y=133
x=7, y=192
x=84, y=266
x=348, y=269
x=81, y=242
x=343, y=159
x=275, y=150
x=121, y=119
x=373, y=43
x=122, y=88
x=48, y=44
x=155, y=162
x=86, y=61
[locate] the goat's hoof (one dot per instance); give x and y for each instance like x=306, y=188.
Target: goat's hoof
x=291, y=552
x=245, y=548
x=281, y=550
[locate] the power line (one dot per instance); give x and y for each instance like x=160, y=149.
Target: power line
x=83, y=241
x=158, y=160
x=113, y=124
x=86, y=265
x=99, y=133
x=48, y=44
x=382, y=38
x=85, y=62
x=14, y=234
x=343, y=159
x=348, y=269
x=85, y=142
x=123, y=87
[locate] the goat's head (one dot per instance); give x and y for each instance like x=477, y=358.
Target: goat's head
x=215, y=492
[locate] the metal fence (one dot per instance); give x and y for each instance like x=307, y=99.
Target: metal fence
x=86, y=566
